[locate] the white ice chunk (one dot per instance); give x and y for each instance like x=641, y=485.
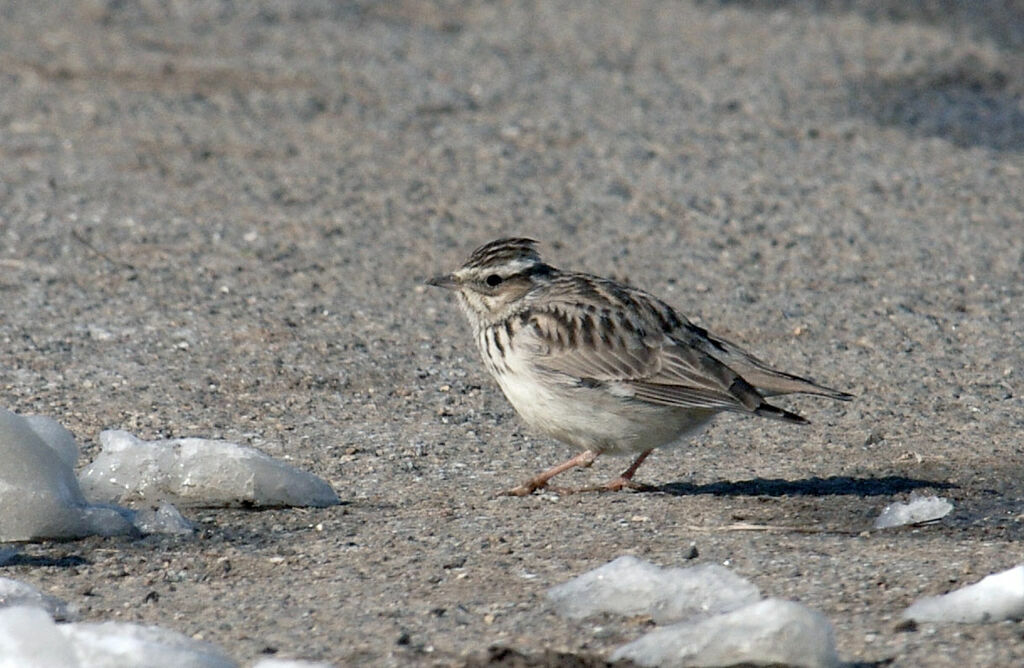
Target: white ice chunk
x=30, y=639
x=770, y=632
x=271, y=662
x=919, y=509
x=198, y=472
x=120, y=645
x=108, y=519
x=995, y=598
x=14, y=593
x=56, y=436
x=165, y=518
x=631, y=586
x=39, y=493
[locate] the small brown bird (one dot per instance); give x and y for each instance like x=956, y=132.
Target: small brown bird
x=602, y=366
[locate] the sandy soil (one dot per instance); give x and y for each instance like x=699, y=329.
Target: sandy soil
x=215, y=221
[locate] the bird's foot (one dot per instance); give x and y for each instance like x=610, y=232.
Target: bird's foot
x=584, y=459
x=526, y=489
x=620, y=483
x=613, y=485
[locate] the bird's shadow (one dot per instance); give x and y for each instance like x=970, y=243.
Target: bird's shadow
x=831, y=486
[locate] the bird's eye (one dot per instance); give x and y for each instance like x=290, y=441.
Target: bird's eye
x=493, y=280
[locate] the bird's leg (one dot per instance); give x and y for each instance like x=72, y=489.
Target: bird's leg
x=626, y=479
x=584, y=459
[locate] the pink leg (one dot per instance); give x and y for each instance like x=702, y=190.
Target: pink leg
x=626, y=479
x=585, y=458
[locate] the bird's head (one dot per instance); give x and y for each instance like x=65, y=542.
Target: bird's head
x=495, y=278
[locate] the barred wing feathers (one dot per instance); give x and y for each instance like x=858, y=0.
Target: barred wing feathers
x=628, y=351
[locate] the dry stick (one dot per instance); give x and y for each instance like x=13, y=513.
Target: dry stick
x=85, y=242
x=744, y=526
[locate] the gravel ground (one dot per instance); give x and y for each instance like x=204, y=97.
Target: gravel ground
x=215, y=220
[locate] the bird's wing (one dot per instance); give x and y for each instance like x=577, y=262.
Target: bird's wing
x=768, y=380
x=637, y=359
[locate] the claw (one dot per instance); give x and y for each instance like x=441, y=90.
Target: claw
x=526, y=489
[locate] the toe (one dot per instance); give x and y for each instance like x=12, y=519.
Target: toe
x=526, y=489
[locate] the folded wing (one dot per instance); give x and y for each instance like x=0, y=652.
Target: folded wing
x=638, y=359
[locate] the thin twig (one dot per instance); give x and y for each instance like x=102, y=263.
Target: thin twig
x=85, y=242
x=771, y=528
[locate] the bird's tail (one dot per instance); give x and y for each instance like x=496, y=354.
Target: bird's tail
x=769, y=381
x=776, y=413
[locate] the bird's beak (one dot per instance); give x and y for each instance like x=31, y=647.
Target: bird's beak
x=447, y=281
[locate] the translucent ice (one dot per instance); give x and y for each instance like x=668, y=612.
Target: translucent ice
x=28, y=637
x=116, y=644
x=198, y=472
x=165, y=518
x=631, y=586
x=919, y=509
x=270, y=662
x=39, y=494
x=56, y=436
x=14, y=593
x=770, y=632
x=995, y=598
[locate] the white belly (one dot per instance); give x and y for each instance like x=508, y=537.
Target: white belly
x=591, y=418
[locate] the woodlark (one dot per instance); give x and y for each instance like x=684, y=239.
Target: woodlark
x=602, y=366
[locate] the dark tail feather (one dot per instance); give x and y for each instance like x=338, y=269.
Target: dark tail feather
x=768, y=381
x=771, y=382
x=776, y=413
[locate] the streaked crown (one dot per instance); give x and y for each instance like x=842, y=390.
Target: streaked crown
x=509, y=253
